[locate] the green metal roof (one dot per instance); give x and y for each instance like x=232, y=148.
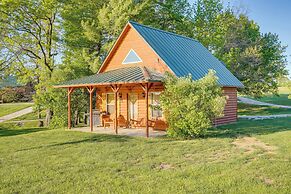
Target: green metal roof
x=185, y=56
x=122, y=75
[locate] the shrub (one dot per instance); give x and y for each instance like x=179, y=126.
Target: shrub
x=190, y=106
x=11, y=94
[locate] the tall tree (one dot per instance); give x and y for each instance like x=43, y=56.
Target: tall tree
x=256, y=59
x=29, y=40
x=170, y=15
x=205, y=22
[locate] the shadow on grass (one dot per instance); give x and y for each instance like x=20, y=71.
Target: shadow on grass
x=246, y=127
x=96, y=138
x=6, y=131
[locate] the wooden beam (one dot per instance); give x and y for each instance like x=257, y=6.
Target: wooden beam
x=70, y=91
x=115, y=120
x=91, y=90
x=115, y=88
x=147, y=108
x=148, y=85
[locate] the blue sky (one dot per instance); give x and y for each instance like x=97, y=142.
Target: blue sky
x=272, y=16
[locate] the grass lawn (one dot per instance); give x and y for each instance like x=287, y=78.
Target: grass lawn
x=9, y=108
x=282, y=99
x=248, y=109
x=38, y=160
x=29, y=116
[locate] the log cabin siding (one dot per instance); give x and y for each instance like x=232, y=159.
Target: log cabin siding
x=230, y=110
x=132, y=40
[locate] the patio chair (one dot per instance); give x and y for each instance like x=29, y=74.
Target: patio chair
x=122, y=122
x=158, y=125
x=107, y=121
x=137, y=123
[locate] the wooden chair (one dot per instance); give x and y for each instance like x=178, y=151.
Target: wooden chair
x=158, y=125
x=107, y=121
x=137, y=123
x=122, y=122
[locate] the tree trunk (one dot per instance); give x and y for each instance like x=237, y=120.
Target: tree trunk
x=76, y=118
x=85, y=118
x=48, y=117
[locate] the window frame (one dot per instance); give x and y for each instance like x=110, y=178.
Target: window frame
x=131, y=50
x=110, y=104
x=160, y=112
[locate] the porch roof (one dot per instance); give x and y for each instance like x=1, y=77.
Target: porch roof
x=117, y=76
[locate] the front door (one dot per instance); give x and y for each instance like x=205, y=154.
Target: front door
x=132, y=106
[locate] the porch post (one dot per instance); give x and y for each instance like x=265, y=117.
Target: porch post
x=147, y=109
x=70, y=90
x=146, y=89
x=91, y=90
x=115, y=89
x=115, y=106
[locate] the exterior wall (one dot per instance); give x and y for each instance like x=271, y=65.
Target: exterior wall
x=132, y=40
x=230, y=110
x=123, y=101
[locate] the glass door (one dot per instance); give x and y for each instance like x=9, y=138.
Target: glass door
x=132, y=106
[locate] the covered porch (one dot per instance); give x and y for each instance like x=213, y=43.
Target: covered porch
x=123, y=99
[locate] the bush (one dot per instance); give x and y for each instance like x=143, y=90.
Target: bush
x=11, y=94
x=190, y=106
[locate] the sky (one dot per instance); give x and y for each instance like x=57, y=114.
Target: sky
x=272, y=16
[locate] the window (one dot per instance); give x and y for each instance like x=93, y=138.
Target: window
x=110, y=103
x=155, y=102
x=131, y=57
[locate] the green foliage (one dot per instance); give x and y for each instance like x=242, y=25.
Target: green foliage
x=15, y=94
x=170, y=15
x=256, y=59
x=189, y=106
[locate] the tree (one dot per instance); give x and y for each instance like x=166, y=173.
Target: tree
x=30, y=41
x=171, y=15
x=197, y=103
x=205, y=22
x=256, y=59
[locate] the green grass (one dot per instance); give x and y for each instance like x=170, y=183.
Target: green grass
x=29, y=116
x=248, y=109
x=9, y=108
x=282, y=99
x=38, y=160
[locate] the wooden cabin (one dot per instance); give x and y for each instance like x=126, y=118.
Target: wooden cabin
x=129, y=82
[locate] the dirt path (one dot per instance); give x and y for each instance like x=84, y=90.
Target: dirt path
x=16, y=114
x=255, y=102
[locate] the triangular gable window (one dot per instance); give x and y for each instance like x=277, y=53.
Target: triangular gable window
x=131, y=57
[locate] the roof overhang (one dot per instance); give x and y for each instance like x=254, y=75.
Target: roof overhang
x=128, y=75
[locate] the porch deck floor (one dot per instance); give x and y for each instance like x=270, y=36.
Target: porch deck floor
x=134, y=132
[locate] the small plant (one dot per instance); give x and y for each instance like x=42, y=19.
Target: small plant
x=190, y=106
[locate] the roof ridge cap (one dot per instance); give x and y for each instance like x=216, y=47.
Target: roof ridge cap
x=145, y=73
x=164, y=31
